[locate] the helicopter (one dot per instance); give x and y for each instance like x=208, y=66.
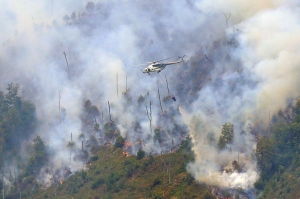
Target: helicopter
x=157, y=67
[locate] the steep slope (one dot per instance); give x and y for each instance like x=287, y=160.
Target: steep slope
x=115, y=175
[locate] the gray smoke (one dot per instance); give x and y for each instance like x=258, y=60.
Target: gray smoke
x=236, y=74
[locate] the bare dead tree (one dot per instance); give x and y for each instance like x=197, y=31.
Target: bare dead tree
x=71, y=149
x=227, y=18
x=211, y=64
x=59, y=97
x=109, y=112
x=69, y=53
x=117, y=85
x=149, y=116
x=71, y=145
x=167, y=85
x=2, y=178
x=169, y=171
x=54, y=181
x=3, y=184
x=159, y=100
x=10, y=177
x=96, y=125
x=126, y=84
x=269, y=122
x=17, y=182
x=67, y=63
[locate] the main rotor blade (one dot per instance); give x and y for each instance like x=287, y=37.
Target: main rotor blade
x=140, y=64
x=160, y=60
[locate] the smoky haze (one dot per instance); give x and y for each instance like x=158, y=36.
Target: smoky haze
x=239, y=71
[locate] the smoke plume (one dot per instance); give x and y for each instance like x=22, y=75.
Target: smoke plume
x=242, y=64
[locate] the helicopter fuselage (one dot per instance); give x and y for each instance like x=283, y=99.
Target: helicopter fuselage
x=157, y=67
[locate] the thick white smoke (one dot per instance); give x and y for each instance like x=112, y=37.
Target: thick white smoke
x=267, y=35
x=241, y=72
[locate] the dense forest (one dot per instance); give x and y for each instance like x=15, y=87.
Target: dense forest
x=17, y=126
x=278, y=157
x=108, y=166
x=116, y=174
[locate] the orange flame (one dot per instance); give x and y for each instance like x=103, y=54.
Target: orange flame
x=125, y=153
x=127, y=145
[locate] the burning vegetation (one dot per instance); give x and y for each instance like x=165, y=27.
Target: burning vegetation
x=234, y=105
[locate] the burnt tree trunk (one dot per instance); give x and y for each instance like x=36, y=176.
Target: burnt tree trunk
x=159, y=100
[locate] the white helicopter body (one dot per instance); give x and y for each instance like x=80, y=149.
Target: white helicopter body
x=157, y=67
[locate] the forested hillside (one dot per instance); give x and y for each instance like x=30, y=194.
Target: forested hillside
x=76, y=103
x=278, y=156
x=111, y=174
x=20, y=153
x=17, y=118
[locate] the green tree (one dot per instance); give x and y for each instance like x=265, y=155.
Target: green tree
x=66, y=18
x=226, y=136
x=11, y=97
x=2, y=104
x=97, y=126
x=119, y=142
x=236, y=166
x=140, y=154
x=94, y=111
x=296, y=110
x=40, y=151
x=38, y=158
x=141, y=99
x=90, y=7
x=17, y=121
x=265, y=156
x=87, y=105
x=111, y=130
x=11, y=126
x=73, y=16
x=294, y=136
x=28, y=115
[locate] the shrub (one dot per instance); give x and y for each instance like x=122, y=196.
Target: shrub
x=97, y=183
x=259, y=184
x=156, y=182
x=189, y=179
x=94, y=158
x=140, y=154
x=119, y=142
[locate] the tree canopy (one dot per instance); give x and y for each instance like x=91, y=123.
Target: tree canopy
x=226, y=136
